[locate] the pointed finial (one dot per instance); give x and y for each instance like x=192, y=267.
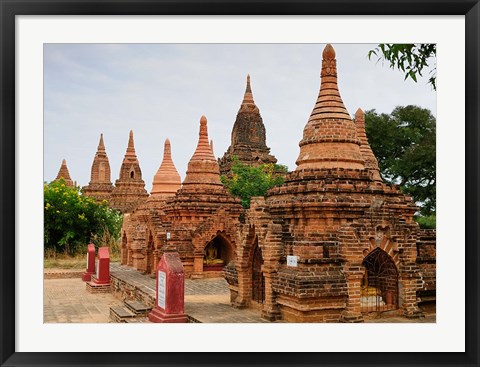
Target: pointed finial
x=248, y=103
x=211, y=145
x=63, y=173
x=329, y=63
x=101, y=145
x=248, y=89
x=167, y=152
x=328, y=52
x=203, y=132
x=130, y=139
x=131, y=146
x=203, y=166
x=359, y=115
x=203, y=150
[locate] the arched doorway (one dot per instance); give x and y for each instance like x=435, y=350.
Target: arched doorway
x=380, y=283
x=258, y=280
x=218, y=253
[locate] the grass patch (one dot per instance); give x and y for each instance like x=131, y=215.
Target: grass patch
x=65, y=262
x=54, y=260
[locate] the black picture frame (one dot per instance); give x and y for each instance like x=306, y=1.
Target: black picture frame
x=11, y=8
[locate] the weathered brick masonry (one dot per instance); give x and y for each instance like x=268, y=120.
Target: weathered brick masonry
x=200, y=218
x=358, y=248
x=64, y=174
x=100, y=186
x=129, y=190
x=357, y=244
x=248, y=142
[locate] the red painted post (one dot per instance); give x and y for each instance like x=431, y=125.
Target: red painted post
x=169, y=302
x=87, y=275
x=103, y=267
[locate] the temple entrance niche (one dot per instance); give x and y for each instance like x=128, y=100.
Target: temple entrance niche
x=258, y=279
x=379, y=283
x=218, y=253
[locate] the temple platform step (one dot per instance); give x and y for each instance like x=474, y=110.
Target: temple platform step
x=137, y=320
x=138, y=308
x=120, y=314
x=207, y=300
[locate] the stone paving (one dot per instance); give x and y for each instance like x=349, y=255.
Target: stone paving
x=66, y=300
x=206, y=300
x=212, y=286
x=382, y=319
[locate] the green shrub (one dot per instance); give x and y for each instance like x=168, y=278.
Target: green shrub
x=247, y=181
x=427, y=222
x=72, y=220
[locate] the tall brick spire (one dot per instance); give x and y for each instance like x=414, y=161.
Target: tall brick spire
x=101, y=145
x=248, y=104
x=100, y=185
x=101, y=166
x=203, y=151
x=167, y=180
x=63, y=173
x=203, y=167
x=248, y=142
x=371, y=162
x=329, y=138
x=131, y=147
x=130, y=169
x=129, y=189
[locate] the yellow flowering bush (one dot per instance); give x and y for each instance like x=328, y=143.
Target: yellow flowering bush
x=72, y=220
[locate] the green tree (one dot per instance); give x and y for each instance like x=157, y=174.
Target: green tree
x=72, y=220
x=410, y=58
x=247, y=181
x=404, y=144
x=428, y=222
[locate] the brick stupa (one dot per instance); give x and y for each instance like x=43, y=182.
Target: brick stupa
x=167, y=181
x=64, y=174
x=129, y=190
x=353, y=237
x=203, y=171
x=371, y=162
x=248, y=141
x=201, y=215
x=100, y=186
x=329, y=138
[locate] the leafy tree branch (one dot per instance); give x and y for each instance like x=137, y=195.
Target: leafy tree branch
x=410, y=58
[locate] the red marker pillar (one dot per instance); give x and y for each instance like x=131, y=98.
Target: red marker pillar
x=170, y=304
x=103, y=268
x=87, y=275
x=100, y=282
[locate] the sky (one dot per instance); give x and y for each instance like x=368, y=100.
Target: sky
x=161, y=90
